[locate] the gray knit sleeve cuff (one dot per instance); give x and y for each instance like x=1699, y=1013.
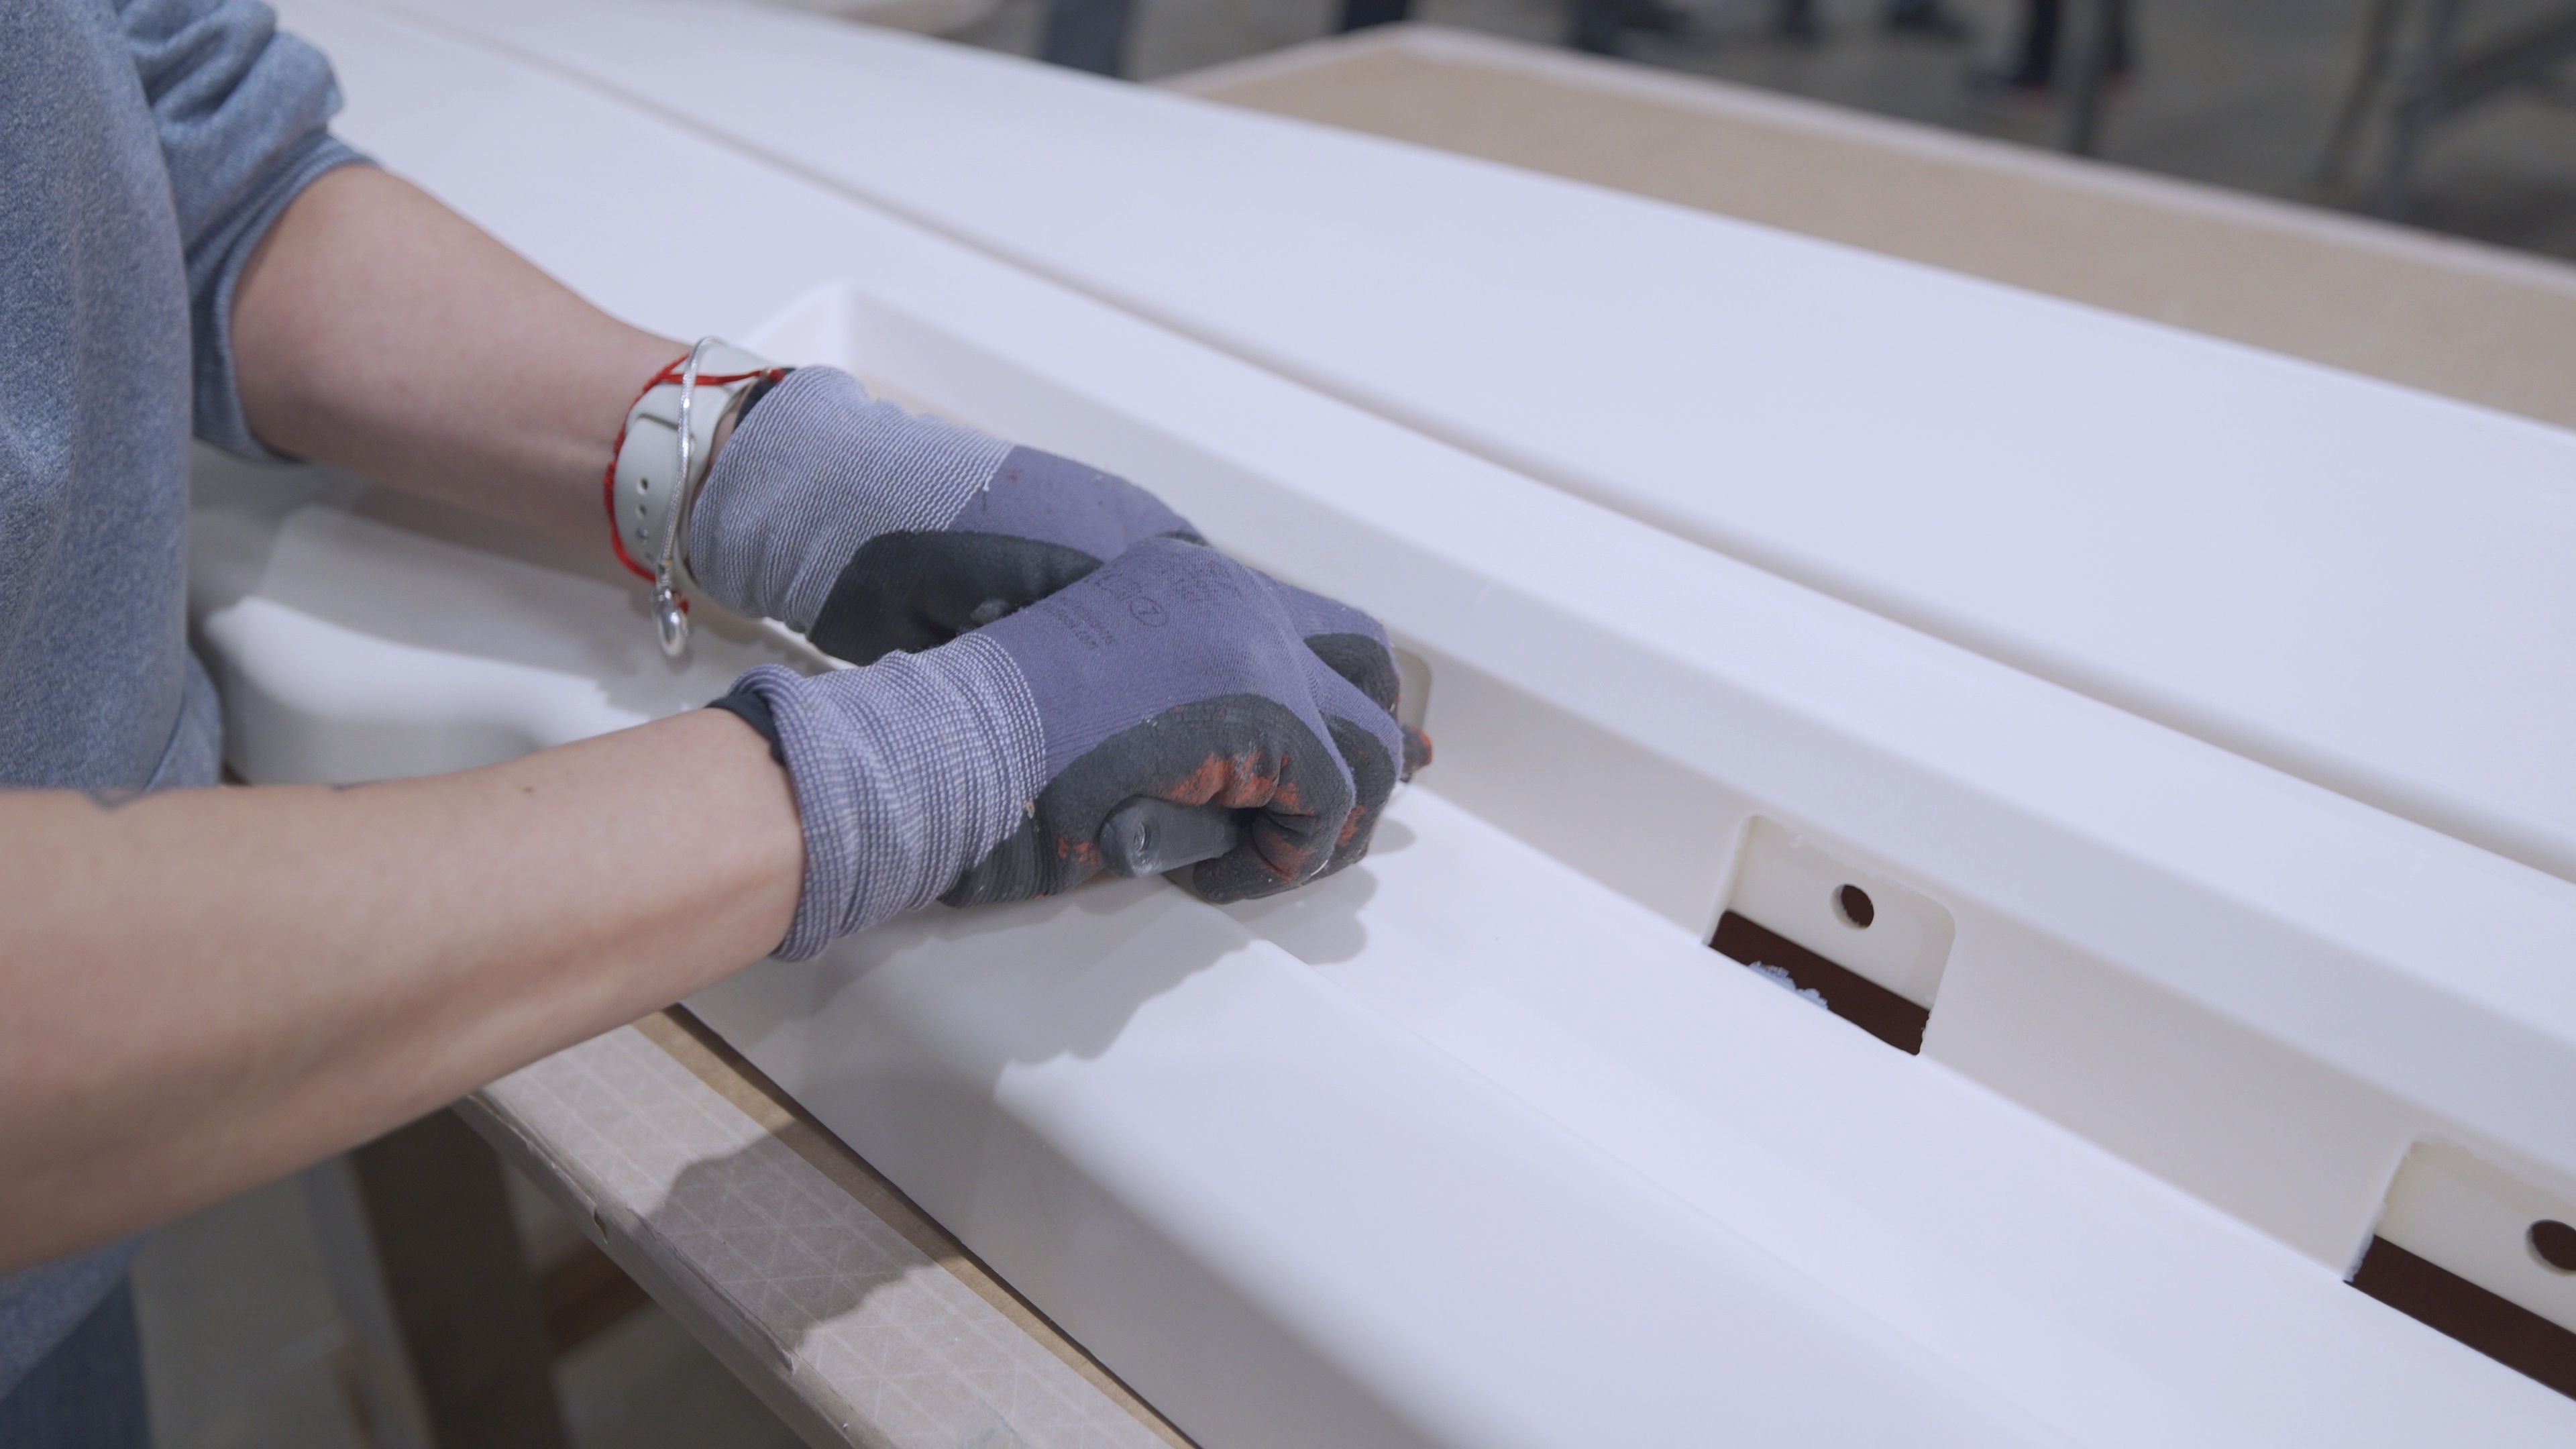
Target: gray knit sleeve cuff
x=905, y=772
x=242, y=111
x=219, y=416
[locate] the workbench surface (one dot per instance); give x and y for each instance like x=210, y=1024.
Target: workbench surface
x=849, y=1312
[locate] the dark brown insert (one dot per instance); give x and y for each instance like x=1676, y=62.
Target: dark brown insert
x=1853, y=997
x=2501, y=1329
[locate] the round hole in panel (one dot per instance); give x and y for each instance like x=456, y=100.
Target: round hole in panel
x=2554, y=1243
x=1854, y=908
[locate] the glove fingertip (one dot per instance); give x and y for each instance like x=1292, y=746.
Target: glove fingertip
x=1253, y=868
x=1364, y=661
x=1221, y=882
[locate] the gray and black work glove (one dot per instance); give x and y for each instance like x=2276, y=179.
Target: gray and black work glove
x=987, y=769
x=870, y=529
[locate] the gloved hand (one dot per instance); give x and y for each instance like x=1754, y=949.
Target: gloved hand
x=870, y=529
x=981, y=770
x=1354, y=645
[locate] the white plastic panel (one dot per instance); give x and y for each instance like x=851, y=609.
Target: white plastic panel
x=1199, y=1156
x=1580, y=710
x=1891, y=933
x=2358, y=584
x=2247, y=996
x=358, y=636
x=2475, y=1219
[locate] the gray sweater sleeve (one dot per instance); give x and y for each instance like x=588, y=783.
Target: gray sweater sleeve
x=243, y=113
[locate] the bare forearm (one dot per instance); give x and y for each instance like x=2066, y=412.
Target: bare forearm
x=208, y=988
x=380, y=332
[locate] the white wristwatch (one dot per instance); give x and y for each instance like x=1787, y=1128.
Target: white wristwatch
x=662, y=458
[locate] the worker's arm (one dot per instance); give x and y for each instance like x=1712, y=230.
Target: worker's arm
x=376, y=330
x=207, y=988
x=210, y=987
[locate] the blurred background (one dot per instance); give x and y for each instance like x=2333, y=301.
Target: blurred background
x=2240, y=93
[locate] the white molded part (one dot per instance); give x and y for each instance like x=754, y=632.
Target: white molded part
x=2301, y=566
x=1791, y=885
x=2452, y=1209
x=1188, y=1146
x=357, y=636
x=1413, y=683
x=1545, y=692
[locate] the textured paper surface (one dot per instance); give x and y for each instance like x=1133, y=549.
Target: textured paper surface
x=875, y=1341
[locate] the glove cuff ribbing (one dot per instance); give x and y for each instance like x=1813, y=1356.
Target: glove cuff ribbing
x=906, y=772
x=818, y=471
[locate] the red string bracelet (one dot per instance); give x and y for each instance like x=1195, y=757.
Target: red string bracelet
x=669, y=375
